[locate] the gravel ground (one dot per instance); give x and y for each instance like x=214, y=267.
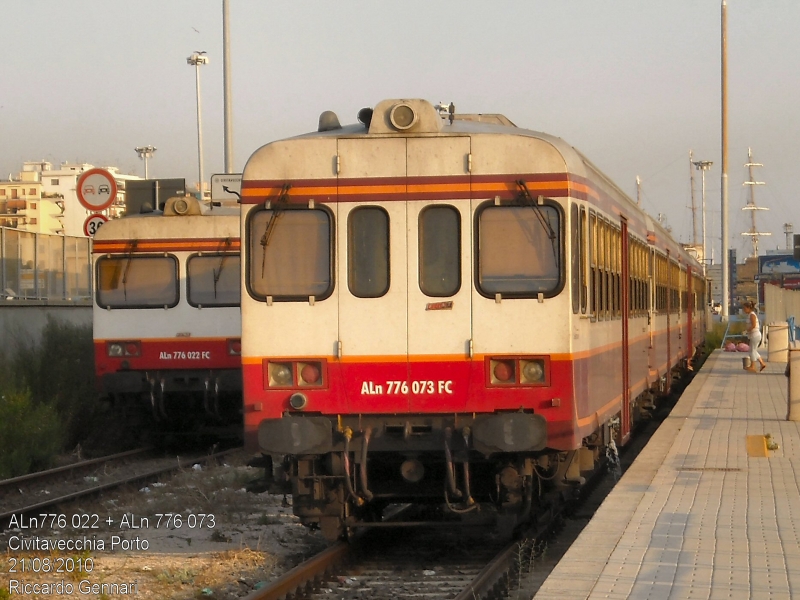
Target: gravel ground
x=224, y=542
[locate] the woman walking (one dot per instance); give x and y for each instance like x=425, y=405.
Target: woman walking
x=754, y=335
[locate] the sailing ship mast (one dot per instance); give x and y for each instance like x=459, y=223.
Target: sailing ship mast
x=753, y=232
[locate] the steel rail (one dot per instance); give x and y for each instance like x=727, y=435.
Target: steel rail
x=307, y=573
x=5, y=516
x=14, y=481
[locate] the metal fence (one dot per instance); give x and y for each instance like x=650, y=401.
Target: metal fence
x=38, y=266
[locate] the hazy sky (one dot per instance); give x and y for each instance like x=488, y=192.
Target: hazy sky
x=633, y=84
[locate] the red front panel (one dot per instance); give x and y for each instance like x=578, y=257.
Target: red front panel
x=166, y=354
x=456, y=387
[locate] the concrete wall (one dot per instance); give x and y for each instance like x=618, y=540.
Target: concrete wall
x=22, y=321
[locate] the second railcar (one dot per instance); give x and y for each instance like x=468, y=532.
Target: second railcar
x=167, y=324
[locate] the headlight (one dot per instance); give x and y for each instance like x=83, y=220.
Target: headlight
x=532, y=371
x=115, y=350
x=280, y=374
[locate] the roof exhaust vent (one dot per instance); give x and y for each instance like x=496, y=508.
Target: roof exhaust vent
x=328, y=121
x=365, y=116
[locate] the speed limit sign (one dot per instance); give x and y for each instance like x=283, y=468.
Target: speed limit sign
x=92, y=224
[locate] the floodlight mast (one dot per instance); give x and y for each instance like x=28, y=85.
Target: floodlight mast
x=703, y=166
x=726, y=276
x=144, y=153
x=226, y=77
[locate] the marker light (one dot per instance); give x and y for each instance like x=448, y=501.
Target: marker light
x=120, y=349
x=502, y=371
x=310, y=373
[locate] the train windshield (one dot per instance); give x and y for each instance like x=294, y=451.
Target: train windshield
x=213, y=280
x=519, y=250
x=137, y=281
x=293, y=262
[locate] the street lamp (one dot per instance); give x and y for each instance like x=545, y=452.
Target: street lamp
x=144, y=153
x=197, y=59
x=703, y=166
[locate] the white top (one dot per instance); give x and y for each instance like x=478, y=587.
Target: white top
x=756, y=326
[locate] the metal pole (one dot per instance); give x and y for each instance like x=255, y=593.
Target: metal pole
x=3, y=258
x=199, y=132
x=724, y=215
x=145, y=167
x=703, y=215
x=793, y=395
x=36, y=291
x=64, y=266
x=226, y=80
x=694, y=208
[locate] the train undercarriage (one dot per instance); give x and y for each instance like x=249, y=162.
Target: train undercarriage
x=179, y=405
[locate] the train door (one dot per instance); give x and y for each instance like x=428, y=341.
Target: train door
x=652, y=313
x=371, y=249
x=625, y=424
x=439, y=274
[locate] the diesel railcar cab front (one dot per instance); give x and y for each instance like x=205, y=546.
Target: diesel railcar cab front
x=166, y=316
x=426, y=316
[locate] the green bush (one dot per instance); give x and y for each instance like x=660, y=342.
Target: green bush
x=30, y=434
x=47, y=398
x=60, y=372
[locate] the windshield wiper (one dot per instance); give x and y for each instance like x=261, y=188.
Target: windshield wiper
x=525, y=198
x=132, y=247
x=218, y=271
x=277, y=210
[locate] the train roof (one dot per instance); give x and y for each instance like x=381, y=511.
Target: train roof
x=428, y=121
x=431, y=122
x=219, y=222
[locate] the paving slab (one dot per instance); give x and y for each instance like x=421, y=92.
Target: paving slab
x=707, y=510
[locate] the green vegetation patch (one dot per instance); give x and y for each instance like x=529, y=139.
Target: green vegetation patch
x=47, y=398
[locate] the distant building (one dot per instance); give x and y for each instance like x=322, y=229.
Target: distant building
x=24, y=205
x=44, y=200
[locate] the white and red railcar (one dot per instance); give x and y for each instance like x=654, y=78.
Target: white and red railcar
x=446, y=309
x=167, y=323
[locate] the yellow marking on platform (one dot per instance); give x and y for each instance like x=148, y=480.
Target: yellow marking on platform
x=757, y=446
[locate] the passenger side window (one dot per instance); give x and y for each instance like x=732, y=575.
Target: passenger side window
x=439, y=251
x=368, y=252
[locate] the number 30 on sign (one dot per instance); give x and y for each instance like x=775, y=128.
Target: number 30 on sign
x=92, y=224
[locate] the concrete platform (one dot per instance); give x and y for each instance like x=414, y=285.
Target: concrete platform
x=701, y=513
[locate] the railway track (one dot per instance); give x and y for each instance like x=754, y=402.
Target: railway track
x=402, y=563
x=30, y=493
